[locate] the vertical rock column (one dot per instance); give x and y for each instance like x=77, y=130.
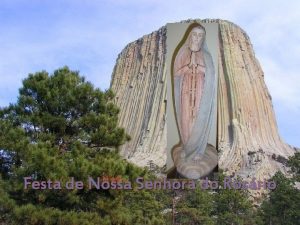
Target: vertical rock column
x=139, y=84
x=248, y=138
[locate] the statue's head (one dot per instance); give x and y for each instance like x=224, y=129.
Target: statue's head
x=196, y=38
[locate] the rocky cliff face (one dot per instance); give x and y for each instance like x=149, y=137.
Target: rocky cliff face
x=139, y=84
x=248, y=140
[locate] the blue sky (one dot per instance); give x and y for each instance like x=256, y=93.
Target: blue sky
x=88, y=35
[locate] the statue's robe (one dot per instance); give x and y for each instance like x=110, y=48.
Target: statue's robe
x=191, y=89
x=195, y=101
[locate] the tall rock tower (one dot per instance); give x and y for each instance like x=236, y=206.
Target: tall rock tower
x=248, y=141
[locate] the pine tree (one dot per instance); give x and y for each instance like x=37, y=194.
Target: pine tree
x=62, y=127
x=283, y=204
x=195, y=207
x=294, y=164
x=232, y=206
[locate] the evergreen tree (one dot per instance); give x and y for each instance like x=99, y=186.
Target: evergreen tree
x=195, y=207
x=294, y=164
x=232, y=206
x=283, y=204
x=62, y=127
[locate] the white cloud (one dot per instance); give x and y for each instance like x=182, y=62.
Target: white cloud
x=284, y=84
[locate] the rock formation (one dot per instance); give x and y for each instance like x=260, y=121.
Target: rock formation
x=248, y=138
x=249, y=144
x=139, y=84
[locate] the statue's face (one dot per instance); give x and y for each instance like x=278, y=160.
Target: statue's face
x=196, y=38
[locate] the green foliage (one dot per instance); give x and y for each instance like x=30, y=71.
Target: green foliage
x=195, y=207
x=63, y=127
x=63, y=108
x=232, y=206
x=294, y=164
x=283, y=204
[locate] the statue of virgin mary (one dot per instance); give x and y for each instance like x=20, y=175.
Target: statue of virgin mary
x=194, y=82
